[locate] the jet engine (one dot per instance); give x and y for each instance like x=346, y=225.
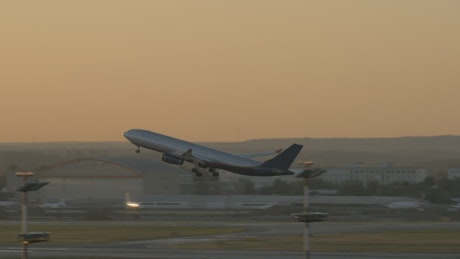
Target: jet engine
x=172, y=159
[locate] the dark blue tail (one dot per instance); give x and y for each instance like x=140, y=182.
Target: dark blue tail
x=284, y=159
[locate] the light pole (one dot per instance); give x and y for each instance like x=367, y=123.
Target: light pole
x=306, y=216
x=306, y=233
x=25, y=236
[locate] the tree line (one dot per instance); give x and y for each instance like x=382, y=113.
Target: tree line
x=431, y=189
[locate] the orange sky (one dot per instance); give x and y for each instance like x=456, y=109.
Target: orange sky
x=228, y=70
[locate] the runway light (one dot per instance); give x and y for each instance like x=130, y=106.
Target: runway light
x=132, y=205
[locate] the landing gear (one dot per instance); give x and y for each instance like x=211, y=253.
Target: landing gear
x=214, y=172
x=138, y=150
x=197, y=172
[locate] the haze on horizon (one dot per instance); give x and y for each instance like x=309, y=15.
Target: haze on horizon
x=208, y=70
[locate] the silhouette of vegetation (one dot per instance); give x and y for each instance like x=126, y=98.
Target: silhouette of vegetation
x=432, y=190
x=246, y=186
x=281, y=187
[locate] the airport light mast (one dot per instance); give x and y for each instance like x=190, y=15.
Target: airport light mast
x=29, y=237
x=307, y=217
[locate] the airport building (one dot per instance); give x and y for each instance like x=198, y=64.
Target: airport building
x=92, y=179
x=453, y=173
x=385, y=174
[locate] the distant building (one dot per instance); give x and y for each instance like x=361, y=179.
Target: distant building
x=109, y=179
x=453, y=173
x=335, y=175
x=259, y=182
x=385, y=174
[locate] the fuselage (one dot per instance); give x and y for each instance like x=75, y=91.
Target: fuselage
x=200, y=155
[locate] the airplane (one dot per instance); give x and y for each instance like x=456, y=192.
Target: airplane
x=131, y=204
x=176, y=151
x=54, y=205
x=8, y=203
x=404, y=205
x=8, y=207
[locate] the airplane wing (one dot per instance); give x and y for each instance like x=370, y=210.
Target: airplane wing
x=188, y=156
x=200, y=159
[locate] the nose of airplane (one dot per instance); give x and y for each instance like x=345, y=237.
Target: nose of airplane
x=128, y=134
x=135, y=135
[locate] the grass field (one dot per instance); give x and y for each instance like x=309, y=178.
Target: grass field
x=423, y=241
x=432, y=241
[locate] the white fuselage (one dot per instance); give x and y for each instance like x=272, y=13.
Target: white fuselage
x=176, y=151
x=166, y=144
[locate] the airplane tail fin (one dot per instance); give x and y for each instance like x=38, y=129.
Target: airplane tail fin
x=284, y=159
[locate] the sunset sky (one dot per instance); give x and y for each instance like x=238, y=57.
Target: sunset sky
x=211, y=70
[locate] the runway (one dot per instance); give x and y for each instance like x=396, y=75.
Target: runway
x=161, y=248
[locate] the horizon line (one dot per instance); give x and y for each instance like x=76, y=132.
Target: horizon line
x=241, y=141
